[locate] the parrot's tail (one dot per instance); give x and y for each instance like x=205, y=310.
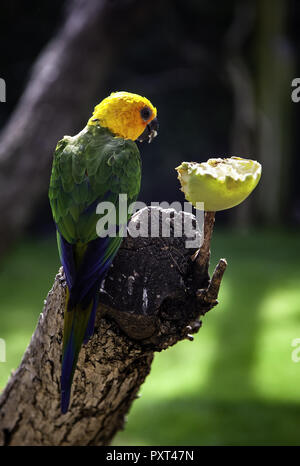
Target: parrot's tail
x=78, y=328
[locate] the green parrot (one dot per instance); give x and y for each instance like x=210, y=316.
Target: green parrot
x=96, y=165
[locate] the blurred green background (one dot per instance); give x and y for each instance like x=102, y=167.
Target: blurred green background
x=220, y=76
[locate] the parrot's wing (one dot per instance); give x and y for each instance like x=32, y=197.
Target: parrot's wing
x=89, y=168
x=74, y=196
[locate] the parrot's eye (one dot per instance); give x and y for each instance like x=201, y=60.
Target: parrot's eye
x=146, y=113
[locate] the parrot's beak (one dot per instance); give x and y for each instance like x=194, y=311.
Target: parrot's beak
x=150, y=131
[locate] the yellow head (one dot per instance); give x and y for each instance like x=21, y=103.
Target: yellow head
x=126, y=115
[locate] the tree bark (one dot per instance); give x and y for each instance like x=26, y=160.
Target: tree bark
x=153, y=296
x=243, y=128
x=67, y=80
x=275, y=65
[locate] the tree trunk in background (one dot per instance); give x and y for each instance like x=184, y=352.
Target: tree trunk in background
x=242, y=137
x=67, y=80
x=262, y=103
x=152, y=297
x=274, y=63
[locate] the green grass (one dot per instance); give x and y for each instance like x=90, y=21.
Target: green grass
x=235, y=384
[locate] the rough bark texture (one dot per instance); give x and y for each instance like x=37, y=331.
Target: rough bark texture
x=67, y=80
x=149, y=301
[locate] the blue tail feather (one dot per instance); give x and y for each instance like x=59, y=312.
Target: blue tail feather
x=76, y=325
x=82, y=301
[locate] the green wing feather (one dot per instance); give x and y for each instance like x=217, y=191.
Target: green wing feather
x=88, y=168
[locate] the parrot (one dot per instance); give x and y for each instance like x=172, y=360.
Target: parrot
x=94, y=166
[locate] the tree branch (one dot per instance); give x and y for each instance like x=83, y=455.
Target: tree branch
x=148, y=302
